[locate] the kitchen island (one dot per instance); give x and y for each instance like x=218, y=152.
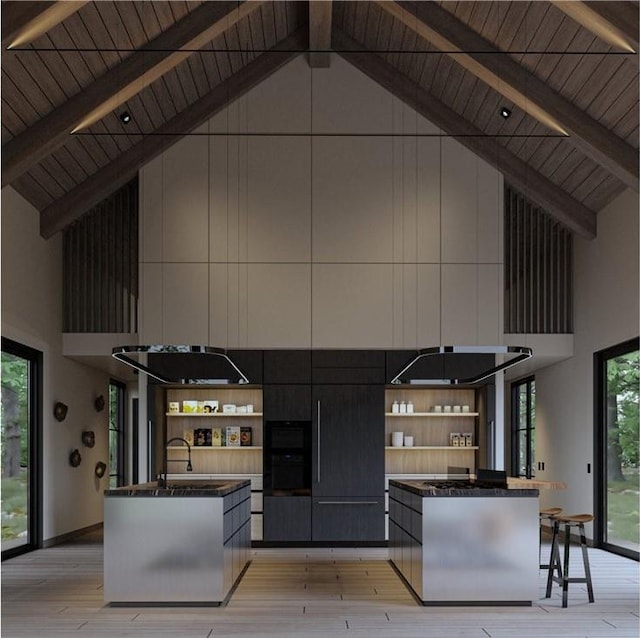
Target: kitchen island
x=458, y=543
x=186, y=543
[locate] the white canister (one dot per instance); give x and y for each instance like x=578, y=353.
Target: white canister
x=408, y=441
x=250, y=408
x=397, y=439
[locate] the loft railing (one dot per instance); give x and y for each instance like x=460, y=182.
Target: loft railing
x=100, y=266
x=538, y=269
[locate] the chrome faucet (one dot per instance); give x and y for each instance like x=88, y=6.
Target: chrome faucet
x=167, y=461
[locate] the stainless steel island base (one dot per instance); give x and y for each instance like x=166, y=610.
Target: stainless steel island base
x=470, y=548
x=175, y=546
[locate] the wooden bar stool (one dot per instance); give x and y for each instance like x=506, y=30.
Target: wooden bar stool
x=569, y=521
x=546, y=514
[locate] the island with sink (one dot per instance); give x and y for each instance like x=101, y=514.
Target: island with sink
x=183, y=543
x=464, y=543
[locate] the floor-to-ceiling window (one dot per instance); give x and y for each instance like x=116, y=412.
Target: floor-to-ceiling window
x=523, y=424
x=117, y=438
x=617, y=381
x=20, y=423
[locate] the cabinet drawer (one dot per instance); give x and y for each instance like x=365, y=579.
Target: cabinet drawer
x=348, y=519
x=287, y=518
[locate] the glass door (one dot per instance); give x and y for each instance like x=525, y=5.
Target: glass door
x=618, y=484
x=523, y=424
x=20, y=431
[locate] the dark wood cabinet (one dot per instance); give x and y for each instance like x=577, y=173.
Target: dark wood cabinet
x=287, y=402
x=287, y=518
x=287, y=366
x=348, y=440
x=339, y=519
x=348, y=366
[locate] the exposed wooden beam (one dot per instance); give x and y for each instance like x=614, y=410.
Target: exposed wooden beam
x=23, y=22
x=95, y=188
x=535, y=186
x=503, y=74
x=120, y=83
x=614, y=22
x=320, y=33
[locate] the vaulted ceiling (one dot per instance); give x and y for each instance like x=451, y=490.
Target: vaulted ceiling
x=567, y=71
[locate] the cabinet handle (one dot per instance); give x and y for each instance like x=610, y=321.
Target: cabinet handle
x=318, y=443
x=347, y=502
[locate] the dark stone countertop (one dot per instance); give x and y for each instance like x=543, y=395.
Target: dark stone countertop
x=180, y=488
x=457, y=488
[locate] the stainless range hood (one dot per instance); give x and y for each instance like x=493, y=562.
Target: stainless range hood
x=519, y=354
x=121, y=353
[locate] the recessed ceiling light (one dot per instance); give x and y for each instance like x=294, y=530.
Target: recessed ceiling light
x=125, y=117
x=505, y=112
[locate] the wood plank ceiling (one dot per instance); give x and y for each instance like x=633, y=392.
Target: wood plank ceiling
x=567, y=71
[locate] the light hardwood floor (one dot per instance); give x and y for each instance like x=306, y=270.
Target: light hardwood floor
x=306, y=593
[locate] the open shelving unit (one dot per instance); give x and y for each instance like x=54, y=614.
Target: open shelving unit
x=431, y=452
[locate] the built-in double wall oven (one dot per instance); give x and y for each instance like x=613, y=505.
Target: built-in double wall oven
x=287, y=458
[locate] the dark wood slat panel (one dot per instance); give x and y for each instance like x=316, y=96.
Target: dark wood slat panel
x=77, y=73
x=373, y=27
x=7, y=134
x=489, y=118
x=30, y=90
x=59, y=172
x=14, y=102
x=441, y=79
x=32, y=190
x=614, y=93
x=108, y=143
x=549, y=154
x=395, y=43
x=530, y=28
x=146, y=19
x=117, y=30
x=476, y=99
x=77, y=161
x=457, y=78
x=564, y=168
x=526, y=126
x=77, y=32
x=590, y=179
x=566, y=32
x=601, y=80
x=268, y=21
x=256, y=30
x=209, y=60
x=574, y=175
x=117, y=173
x=91, y=147
x=465, y=92
x=408, y=58
x=140, y=121
x=605, y=193
x=540, y=190
x=198, y=74
x=280, y=14
x=511, y=24
x=479, y=14
x=96, y=29
x=361, y=15
x=628, y=125
x=384, y=34
x=47, y=181
x=462, y=10
x=174, y=91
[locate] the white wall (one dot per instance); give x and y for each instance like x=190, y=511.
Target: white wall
x=358, y=238
x=606, y=289
x=32, y=315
